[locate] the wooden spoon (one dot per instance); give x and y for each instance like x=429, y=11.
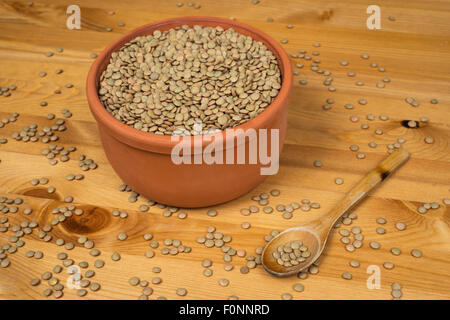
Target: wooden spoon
x=314, y=234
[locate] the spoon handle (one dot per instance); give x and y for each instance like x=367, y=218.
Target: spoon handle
x=362, y=188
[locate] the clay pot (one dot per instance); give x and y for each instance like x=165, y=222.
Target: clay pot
x=143, y=160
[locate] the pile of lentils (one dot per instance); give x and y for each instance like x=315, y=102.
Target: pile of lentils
x=167, y=82
x=291, y=254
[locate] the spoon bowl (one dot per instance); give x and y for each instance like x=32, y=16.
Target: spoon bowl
x=309, y=238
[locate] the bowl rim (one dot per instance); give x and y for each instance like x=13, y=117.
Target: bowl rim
x=164, y=143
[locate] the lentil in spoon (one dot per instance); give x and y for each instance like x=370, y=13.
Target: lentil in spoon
x=314, y=234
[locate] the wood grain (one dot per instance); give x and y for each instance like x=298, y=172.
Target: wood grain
x=414, y=49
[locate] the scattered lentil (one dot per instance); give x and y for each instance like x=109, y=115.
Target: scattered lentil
x=416, y=253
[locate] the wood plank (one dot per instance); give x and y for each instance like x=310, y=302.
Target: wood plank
x=414, y=49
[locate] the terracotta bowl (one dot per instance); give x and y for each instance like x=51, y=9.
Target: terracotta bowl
x=143, y=160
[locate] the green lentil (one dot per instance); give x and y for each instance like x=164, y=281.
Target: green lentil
x=81, y=292
x=35, y=282
x=298, y=287
x=89, y=244
x=99, y=263
x=123, y=214
x=224, y=282
x=429, y=140
x=115, y=256
x=95, y=286
x=149, y=253
x=47, y=292
x=147, y=291
x=422, y=209
x=396, y=293
x=350, y=247
x=62, y=256
x=416, y=253
x=181, y=292
x=89, y=273
x=206, y=263
x=46, y=275
x=182, y=215
x=396, y=286
x=122, y=236
x=286, y=296
x=374, y=245
x=68, y=262
x=134, y=281
x=354, y=263
x=275, y=192
x=212, y=212
x=267, y=209
x=400, y=226
x=207, y=272
x=69, y=246
x=347, y=276
x=317, y=163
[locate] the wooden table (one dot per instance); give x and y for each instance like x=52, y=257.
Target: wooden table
x=415, y=51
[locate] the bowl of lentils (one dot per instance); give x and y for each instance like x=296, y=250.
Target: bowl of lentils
x=193, y=78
